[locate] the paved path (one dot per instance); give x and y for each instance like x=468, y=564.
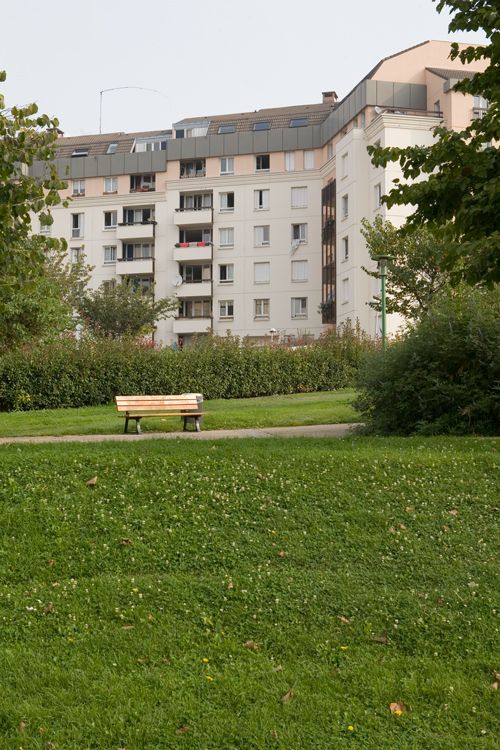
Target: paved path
x=316, y=430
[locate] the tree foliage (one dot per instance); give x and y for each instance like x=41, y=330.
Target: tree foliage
x=122, y=310
x=25, y=137
x=415, y=274
x=460, y=196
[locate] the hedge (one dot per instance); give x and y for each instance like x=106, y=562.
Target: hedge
x=64, y=374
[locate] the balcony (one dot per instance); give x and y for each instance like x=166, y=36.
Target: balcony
x=193, y=168
x=188, y=251
x=192, y=216
x=143, y=230
x=194, y=289
x=135, y=266
x=191, y=325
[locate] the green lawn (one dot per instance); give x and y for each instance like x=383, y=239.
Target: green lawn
x=268, y=411
x=250, y=594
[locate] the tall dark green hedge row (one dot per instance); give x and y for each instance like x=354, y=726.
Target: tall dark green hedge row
x=64, y=374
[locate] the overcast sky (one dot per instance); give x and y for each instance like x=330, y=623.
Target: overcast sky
x=212, y=57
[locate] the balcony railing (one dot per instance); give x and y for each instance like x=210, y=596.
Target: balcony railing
x=193, y=244
x=143, y=189
x=185, y=173
x=135, y=223
x=194, y=208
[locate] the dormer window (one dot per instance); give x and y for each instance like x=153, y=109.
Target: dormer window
x=112, y=148
x=262, y=125
x=80, y=152
x=224, y=129
x=298, y=122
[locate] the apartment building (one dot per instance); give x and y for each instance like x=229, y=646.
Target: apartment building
x=253, y=220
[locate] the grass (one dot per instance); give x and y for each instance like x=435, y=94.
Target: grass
x=268, y=411
x=249, y=594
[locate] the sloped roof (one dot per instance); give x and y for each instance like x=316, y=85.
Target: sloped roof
x=98, y=144
x=456, y=74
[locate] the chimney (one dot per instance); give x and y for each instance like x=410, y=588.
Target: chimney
x=329, y=97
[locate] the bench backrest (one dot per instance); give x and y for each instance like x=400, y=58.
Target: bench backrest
x=156, y=403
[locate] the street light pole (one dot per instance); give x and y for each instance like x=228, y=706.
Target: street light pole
x=382, y=269
x=121, y=88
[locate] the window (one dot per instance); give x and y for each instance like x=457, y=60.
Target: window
x=377, y=195
x=110, y=219
x=299, y=197
x=194, y=168
x=261, y=236
x=299, y=270
x=308, y=159
x=261, y=199
x=155, y=143
x=289, y=161
x=137, y=250
x=78, y=187
x=138, y=215
x=299, y=307
x=226, y=237
x=75, y=254
x=480, y=102
x=226, y=308
x=195, y=308
x=112, y=149
x=227, y=165
x=298, y=122
x=345, y=291
x=299, y=233
x=345, y=206
x=262, y=125
x=111, y=184
x=109, y=253
x=223, y=129
x=76, y=225
x=142, y=283
x=195, y=201
x=226, y=273
x=261, y=273
x=262, y=163
x=80, y=152
x=437, y=107
x=45, y=228
x=226, y=201
x=344, y=165
x=140, y=183
x=109, y=285
x=345, y=248
x=195, y=274
x=261, y=309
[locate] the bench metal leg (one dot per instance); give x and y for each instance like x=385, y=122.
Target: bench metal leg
x=126, y=424
x=138, y=430
x=197, y=422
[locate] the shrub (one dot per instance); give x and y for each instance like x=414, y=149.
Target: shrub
x=443, y=376
x=65, y=374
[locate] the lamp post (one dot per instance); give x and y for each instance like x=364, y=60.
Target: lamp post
x=382, y=271
x=121, y=88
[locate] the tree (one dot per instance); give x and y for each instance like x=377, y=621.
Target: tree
x=25, y=137
x=123, y=310
x=415, y=274
x=461, y=196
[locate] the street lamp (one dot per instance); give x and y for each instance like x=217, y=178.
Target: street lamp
x=382, y=272
x=121, y=88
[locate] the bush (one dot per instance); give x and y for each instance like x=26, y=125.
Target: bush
x=443, y=376
x=65, y=374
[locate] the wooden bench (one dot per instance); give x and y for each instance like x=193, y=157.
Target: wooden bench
x=137, y=407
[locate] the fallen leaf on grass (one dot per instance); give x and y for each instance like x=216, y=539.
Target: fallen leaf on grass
x=274, y=734
x=496, y=675
x=49, y=608
x=21, y=727
x=251, y=645
x=287, y=697
x=494, y=686
x=445, y=528
x=282, y=553
x=408, y=509
x=440, y=601
x=402, y=526
x=127, y=627
x=230, y=585
x=278, y=668
x=125, y=541
x=382, y=638
x=51, y=563
x=453, y=512
x=398, y=708
x=183, y=730
x=344, y=620
x=91, y=482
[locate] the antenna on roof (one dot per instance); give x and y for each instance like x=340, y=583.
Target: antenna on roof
x=120, y=88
